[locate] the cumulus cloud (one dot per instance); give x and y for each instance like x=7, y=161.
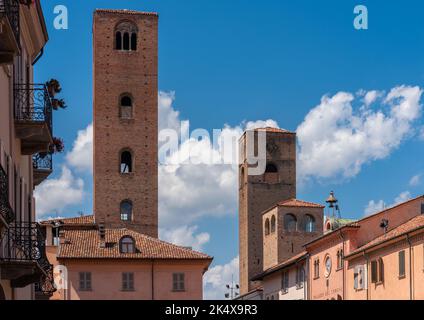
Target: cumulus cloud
x=371, y=96
x=336, y=139
x=185, y=236
x=81, y=155
x=415, y=180
x=377, y=206
x=421, y=134
x=56, y=194
x=216, y=279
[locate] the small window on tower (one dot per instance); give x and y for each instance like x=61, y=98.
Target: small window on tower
x=126, y=162
x=126, y=36
x=126, y=210
x=271, y=168
x=118, y=40
x=126, y=107
x=126, y=41
x=133, y=41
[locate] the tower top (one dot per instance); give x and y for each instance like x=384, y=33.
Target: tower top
x=125, y=11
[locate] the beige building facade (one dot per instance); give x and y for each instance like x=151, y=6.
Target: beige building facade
x=25, y=133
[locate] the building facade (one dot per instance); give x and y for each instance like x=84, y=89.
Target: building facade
x=258, y=193
x=25, y=157
x=116, y=253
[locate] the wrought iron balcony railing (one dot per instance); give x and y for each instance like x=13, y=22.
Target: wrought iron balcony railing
x=10, y=9
x=5, y=209
x=33, y=104
x=33, y=117
x=23, y=242
x=42, y=162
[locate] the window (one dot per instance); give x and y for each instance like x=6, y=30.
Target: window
x=377, y=271
x=85, y=281
x=290, y=223
x=359, y=278
x=340, y=259
x=126, y=210
x=126, y=162
x=178, y=282
x=267, y=227
x=328, y=265
x=285, y=282
x=273, y=224
x=300, y=277
x=126, y=36
x=402, y=264
x=126, y=107
x=271, y=168
x=127, y=245
x=309, y=223
x=127, y=281
x=316, y=269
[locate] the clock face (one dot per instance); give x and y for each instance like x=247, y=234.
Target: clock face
x=327, y=266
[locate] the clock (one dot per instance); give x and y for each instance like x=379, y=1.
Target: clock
x=328, y=266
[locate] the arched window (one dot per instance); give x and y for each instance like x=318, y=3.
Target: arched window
x=267, y=227
x=271, y=168
x=127, y=245
x=126, y=162
x=126, y=36
x=126, y=210
x=290, y=223
x=118, y=40
x=126, y=106
x=133, y=41
x=309, y=223
x=273, y=224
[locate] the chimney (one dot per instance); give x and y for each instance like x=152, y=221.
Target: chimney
x=62, y=239
x=102, y=235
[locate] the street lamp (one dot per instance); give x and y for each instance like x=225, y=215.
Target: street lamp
x=234, y=290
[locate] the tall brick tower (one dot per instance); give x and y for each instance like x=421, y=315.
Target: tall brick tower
x=259, y=193
x=126, y=120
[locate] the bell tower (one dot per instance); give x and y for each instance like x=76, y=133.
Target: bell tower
x=258, y=193
x=126, y=120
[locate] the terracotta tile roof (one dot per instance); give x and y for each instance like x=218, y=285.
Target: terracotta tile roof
x=409, y=226
x=125, y=11
x=281, y=266
x=299, y=203
x=85, y=244
x=80, y=220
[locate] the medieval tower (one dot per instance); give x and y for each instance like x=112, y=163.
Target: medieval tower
x=126, y=120
x=258, y=193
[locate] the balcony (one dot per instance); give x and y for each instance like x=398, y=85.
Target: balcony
x=9, y=30
x=42, y=164
x=6, y=212
x=33, y=117
x=23, y=258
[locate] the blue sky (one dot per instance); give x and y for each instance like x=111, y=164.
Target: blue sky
x=234, y=61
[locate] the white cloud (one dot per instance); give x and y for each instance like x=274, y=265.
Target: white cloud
x=421, y=134
x=216, y=279
x=56, y=194
x=377, y=206
x=403, y=197
x=81, y=155
x=415, y=180
x=336, y=139
x=371, y=96
x=185, y=236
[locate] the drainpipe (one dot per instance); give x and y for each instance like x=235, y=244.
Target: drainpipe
x=343, y=274
x=153, y=279
x=411, y=295
x=367, y=259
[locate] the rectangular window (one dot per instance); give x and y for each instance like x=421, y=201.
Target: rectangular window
x=127, y=281
x=359, y=277
x=85, y=281
x=300, y=277
x=178, y=282
x=402, y=264
x=285, y=282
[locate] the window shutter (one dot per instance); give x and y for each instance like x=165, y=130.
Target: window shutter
x=381, y=270
x=355, y=278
